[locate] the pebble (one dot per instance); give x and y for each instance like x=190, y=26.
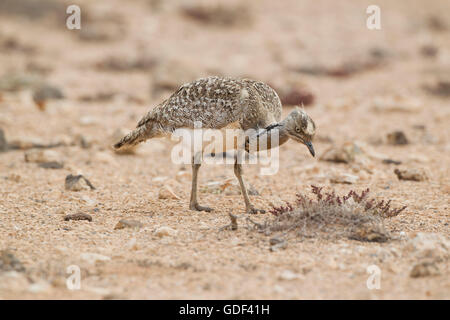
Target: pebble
x=166, y=192
x=411, y=174
x=397, y=138
x=3, y=143
x=424, y=269
x=165, y=231
x=40, y=286
x=8, y=262
x=43, y=156
x=78, y=216
x=133, y=224
x=78, y=183
x=345, y=153
x=344, y=178
x=289, y=275
x=92, y=258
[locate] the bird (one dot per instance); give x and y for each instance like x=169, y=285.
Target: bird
x=224, y=102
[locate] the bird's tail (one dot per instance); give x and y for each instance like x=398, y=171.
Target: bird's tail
x=133, y=138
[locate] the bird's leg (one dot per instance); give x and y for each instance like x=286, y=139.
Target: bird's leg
x=248, y=206
x=193, y=205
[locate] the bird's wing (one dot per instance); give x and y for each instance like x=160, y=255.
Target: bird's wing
x=214, y=102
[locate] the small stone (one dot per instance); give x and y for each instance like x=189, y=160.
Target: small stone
x=397, y=138
x=3, y=143
x=51, y=165
x=424, y=269
x=14, y=177
x=165, y=231
x=429, y=246
x=390, y=161
x=92, y=258
x=343, y=154
x=411, y=174
x=344, y=178
x=45, y=92
x=441, y=88
x=78, y=216
x=166, y=192
x=40, y=286
x=78, y=183
x=8, y=262
x=289, y=275
x=42, y=156
x=133, y=224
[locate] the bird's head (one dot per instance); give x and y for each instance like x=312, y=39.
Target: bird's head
x=301, y=127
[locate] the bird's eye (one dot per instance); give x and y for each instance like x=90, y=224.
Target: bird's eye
x=297, y=129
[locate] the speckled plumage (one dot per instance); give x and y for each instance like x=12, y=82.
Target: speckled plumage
x=216, y=103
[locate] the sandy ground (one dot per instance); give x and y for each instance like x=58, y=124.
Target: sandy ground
x=269, y=41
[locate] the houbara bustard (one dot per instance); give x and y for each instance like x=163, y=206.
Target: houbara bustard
x=218, y=103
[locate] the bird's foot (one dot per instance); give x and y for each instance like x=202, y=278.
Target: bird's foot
x=197, y=207
x=253, y=210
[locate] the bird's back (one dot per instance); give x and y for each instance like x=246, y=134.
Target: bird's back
x=217, y=103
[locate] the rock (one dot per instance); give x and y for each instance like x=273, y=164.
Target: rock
x=429, y=51
x=429, y=246
x=88, y=121
x=3, y=143
x=165, y=231
x=82, y=141
x=42, y=156
x=78, y=216
x=14, y=177
x=424, y=269
x=441, y=88
x=277, y=244
x=289, y=275
x=390, y=161
x=344, y=178
x=45, y=92
x=166, y=192
x=369, y=233
x=8, y=262
x=16, y=82
x=345, y=153
x=133, y=224
x=51, y=165
x=397, y=138
x=13, y=281
x=77, y=183
x=92, y=258
x=40, y=286
x=411, y=174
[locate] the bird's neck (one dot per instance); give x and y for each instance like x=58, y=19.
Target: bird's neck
x=271, y=137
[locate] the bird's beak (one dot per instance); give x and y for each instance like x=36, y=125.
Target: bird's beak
x=310, y=148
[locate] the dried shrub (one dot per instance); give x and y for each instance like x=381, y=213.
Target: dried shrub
x=330, y=216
